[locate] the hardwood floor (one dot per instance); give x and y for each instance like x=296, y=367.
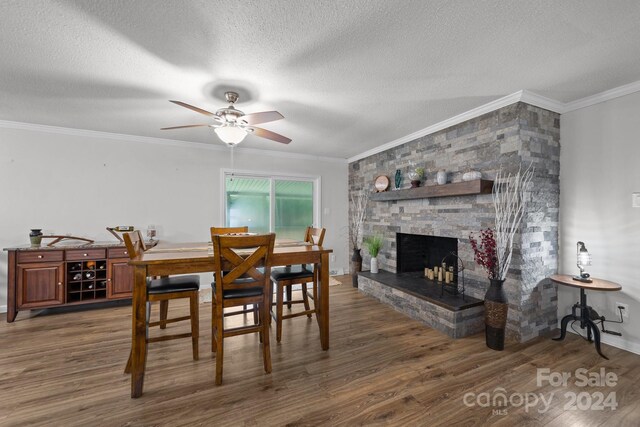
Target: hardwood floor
x=382, y=369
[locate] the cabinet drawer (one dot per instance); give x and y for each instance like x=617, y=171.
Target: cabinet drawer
x=39, y=256
x=118, y=253
x=80, y=254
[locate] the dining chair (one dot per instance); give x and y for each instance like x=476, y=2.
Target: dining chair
x=235, y=230
x=165, y=289
x=241, y=283
x=285, y=277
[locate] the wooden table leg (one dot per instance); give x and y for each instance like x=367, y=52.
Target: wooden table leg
x=323, y=302
x=138, y=331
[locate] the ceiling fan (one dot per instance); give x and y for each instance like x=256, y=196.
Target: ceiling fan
x=232, y=125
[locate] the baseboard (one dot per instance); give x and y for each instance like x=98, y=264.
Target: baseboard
x=3, y=308
x=617, y=342
x=205, y=294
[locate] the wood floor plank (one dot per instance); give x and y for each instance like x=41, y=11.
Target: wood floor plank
x=383, y=368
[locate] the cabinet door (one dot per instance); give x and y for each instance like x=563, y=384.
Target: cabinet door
x=40, y=285
x=119, y=279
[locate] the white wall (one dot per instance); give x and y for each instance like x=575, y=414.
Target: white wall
x=599, y=169
x=79, y=184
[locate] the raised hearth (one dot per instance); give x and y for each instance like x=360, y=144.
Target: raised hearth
x=421, y=299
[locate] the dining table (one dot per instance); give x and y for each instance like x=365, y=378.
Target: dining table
x=167, y=259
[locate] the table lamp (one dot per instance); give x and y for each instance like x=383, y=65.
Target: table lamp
x=584, y=259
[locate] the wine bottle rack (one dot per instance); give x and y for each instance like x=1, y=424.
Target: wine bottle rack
x=86, y=280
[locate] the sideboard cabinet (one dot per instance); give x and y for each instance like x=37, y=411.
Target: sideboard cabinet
x=52, y=277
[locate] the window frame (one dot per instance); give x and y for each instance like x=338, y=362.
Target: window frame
x=316, y=180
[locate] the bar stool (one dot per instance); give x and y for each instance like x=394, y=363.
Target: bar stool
x=241, y=284
x=286, y=277
x=163, y=290
x=234, y=230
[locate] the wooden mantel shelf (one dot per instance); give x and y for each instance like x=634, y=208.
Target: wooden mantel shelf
x=467, y=188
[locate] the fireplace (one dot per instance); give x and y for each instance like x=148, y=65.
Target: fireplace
x=439, y=303
x=498, y=140
x=415, y=252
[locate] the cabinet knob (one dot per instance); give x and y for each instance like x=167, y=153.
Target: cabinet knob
x=59, y=283
x=85, y=254
x=40, y=257
x=108, y=280
x=126, y=253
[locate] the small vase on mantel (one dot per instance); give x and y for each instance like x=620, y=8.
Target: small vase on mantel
x=398, y=179
x=495, y=314
x=356, y=266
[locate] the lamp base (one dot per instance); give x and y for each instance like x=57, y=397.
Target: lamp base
x=582, y=279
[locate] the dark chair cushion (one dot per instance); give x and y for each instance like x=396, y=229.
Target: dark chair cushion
x=260, y=269
x=292, y=272
x=239, y=293
x=238, y=280
x=173, y=284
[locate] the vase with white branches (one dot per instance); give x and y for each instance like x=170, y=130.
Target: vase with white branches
x=358, y=211
x=494, y=248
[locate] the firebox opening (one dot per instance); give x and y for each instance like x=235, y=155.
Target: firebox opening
x=415, y=252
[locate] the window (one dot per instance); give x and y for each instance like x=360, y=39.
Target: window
x=280, y=204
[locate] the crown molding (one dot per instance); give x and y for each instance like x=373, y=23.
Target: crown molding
x=161, y=141
x=525, y=96
x=540, y=101
x=607, y=95
x=476, y=112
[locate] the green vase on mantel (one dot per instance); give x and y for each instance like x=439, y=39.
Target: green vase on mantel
x=398, y=179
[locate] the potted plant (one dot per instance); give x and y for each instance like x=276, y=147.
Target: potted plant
x=358, y=211
x=416, y=176
x=493, y=249
x=373, y=244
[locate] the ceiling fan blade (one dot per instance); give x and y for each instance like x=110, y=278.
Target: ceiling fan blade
x=263, y=117
x=263, y=133
x=196, y=109
x=185, y=126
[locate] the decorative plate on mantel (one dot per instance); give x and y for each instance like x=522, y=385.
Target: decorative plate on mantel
x=381, y=183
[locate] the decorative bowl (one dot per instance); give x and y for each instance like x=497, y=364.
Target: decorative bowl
x=471, y=175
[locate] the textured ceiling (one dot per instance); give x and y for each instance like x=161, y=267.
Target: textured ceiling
x=347, y=75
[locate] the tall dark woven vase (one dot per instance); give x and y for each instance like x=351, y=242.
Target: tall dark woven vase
x=495, y=314
x=356, y=266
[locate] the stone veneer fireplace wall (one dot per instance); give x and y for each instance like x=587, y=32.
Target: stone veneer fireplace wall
x=515, y=134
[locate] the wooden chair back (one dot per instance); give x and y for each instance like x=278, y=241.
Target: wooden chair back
x=229, y=230
x=314, y=235
x=255, y=251
x=135, y=243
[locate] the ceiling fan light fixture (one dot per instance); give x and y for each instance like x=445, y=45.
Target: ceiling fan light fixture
x=230, y=135
x=232, y=125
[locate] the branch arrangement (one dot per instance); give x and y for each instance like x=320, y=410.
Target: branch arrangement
x=510, y=204
x=484, y=251
x=358, y=208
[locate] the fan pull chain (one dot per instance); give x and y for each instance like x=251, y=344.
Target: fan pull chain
x=231, y=179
